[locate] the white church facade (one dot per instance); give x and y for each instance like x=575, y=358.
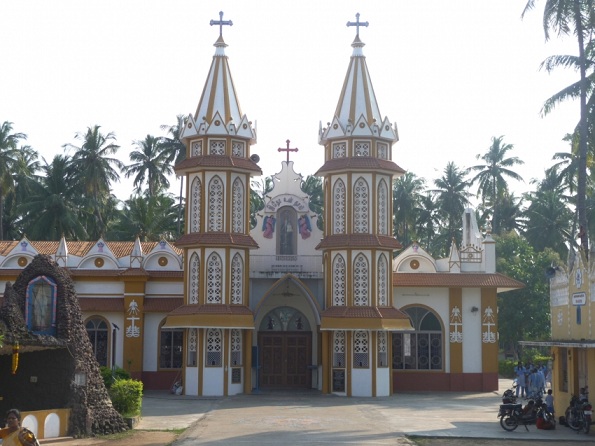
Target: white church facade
x=230, y=308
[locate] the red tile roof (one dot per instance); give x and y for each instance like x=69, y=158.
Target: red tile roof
x=217, y=239
x=468, y=280
x=360, y=163
x=364, y=312
x=218, y=161
x=358, y=241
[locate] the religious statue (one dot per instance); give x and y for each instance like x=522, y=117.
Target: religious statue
x=268, y=226
x=304, y=226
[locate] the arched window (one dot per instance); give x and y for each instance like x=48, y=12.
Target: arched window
x=422, y=349
x=214, y=279
x=215, y=204
x=361, y=206
x=361, y=349
x=339, y=279
x=98, y=332
x=171, y=343
x=214, y=350
x=339, y=207
x=40, y=311
x=195, y=191
x=237, y=206
x=236, y=347
x=361, y=289
x=287, y=231
x=382, y=213
x=194, y=274
x=382, y=281
x=237, y=279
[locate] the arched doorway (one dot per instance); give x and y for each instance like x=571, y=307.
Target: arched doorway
x=284, y=350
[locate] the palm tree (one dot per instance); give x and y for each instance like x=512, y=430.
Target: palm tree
x=150, y=165
x=428, y=221
x=407, y=194
x=148, y=217
x=258, y=192
x=452, y=197
x=565, y=17
x=8, y=153
x=52, y=207
x=491, y=176
x=312, y=186
x=92, y=170
x=176, y=151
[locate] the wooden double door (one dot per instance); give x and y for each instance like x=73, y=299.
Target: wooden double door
x=284, y=359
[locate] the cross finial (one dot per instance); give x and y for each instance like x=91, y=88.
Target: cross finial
x=357, y=24
x=221, y=22
x=280, y=149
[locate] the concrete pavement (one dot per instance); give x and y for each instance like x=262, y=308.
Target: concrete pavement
x=300, y=418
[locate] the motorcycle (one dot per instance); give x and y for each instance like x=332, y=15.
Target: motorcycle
x=513, y=414
x=579, y=415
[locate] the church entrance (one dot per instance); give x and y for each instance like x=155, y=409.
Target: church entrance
x=284, y=360
x=284, y=350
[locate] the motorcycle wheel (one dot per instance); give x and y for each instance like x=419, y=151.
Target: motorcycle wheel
x=572, y=420
x=587, y=425
x=508, y=423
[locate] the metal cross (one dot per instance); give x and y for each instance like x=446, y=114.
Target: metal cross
x=280, y=149
x=357, y=24
x=222, y=22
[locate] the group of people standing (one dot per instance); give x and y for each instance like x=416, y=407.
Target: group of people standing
x=531, y=380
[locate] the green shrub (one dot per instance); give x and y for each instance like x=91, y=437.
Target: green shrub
x=111, y=375
x=506, y=368
x=127, y=396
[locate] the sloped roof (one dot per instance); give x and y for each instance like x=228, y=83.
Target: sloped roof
x=448, y=280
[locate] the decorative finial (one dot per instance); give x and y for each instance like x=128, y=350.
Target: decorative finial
x=357, y=24
x=222, y=22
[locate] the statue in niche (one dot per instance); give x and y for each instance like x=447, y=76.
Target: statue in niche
x=287, y=235
x=41, y=296
x=304, y=226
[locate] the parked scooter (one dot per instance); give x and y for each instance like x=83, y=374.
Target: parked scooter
x=513, y=414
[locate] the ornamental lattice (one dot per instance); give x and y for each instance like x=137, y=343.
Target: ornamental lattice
x=196, y=148
x=382, y=208
x=382, y=338
x=214, y=347
x=237, y=207
x=360, y=281
x=339, y=150
x=361, y=353
x=237, y=149
x=361, y=206
x=214, y=279
x=362, y=148
x=339, y=207
x=236, y=347
x=382, y=288
x=195, y=192
x=216, y=204
x=192, y=339
x=339, y=349
x=217, y=147
x=382, y=149
x=339, y=279
x=237, y=279
x=194, y=278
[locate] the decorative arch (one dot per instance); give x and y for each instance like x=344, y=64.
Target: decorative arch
x=361, y=206
x=361, y=281
x=339, y=208
x=194, y=277
x=214, y=279
x=284, y=319
x=383, y=282
x=195, y=205
x=40, y=310
x=287, y=231
x=382, y=208
x=339, y=281
x=237, y=279
x=215, y=204
x=422, y=349
x=237, y=206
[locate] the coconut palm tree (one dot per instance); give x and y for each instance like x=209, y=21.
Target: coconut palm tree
x=150, y=165
x=8, y=154
x=94, y=171
x=492, y=175
x=176, y=150
x=576, y=17
x=452, y=197
x=407, y=193
x=52, y=208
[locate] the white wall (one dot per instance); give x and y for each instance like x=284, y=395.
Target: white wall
x=472, y=358
x=151, y=341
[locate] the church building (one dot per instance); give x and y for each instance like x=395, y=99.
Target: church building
x=232, y=307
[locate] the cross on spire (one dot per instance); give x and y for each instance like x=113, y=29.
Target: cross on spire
x=221, y=22
x=357, y=24
x=287, y=150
